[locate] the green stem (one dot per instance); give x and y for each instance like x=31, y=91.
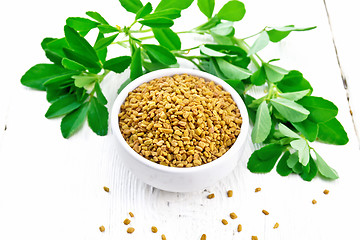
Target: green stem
x=192, y=61
x=140, y=31
x=254, y=34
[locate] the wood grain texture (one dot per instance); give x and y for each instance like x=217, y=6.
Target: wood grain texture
x=52, y=188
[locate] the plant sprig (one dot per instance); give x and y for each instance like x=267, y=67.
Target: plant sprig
x=286, y=120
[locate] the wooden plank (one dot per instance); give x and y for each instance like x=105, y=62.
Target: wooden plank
x=344, y=19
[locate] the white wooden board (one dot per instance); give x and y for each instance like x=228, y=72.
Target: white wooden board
x=51, y=188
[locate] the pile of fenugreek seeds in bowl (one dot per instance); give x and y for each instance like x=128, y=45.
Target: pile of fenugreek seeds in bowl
x=180, y=121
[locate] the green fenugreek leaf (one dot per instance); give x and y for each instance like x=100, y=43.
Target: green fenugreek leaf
x=98, y=116
x=74, y=120
x=104, y=42
x=157, y=22
x=118, y=64
x=332, y=132
x=131, y=5
x=206, y=7
x=232, y=11
x=80, y=44
x=168, y=4
x=145, y=10
x=82, y=25
x=39, y=74
x=262, y=124
x=62, y=106
x=136, y=64
x=282, y=167
x=100, y=96
x=161, y=54
x=96, y=16
x=290, y=110
x=167, y=38
x=261, y=42
x=324, y=169
x=264, y=159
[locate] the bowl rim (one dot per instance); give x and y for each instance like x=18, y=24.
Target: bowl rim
x=240, y=140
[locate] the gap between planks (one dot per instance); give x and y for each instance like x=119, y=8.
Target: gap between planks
x=342, y=74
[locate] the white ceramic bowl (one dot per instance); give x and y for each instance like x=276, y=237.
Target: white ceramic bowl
x=171, y=178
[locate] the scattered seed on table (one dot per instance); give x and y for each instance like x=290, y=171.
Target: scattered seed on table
x=230, y=193
x=102, y=228
x=211, y=196
x=126, y=221
x=233, y=215
x=326, y=192
x=265, y=212
x=314, y=201
x=106, y=189
x=224, y=221
x=163, y=237
x=130, y=230
x=254, y=238
x=257, y=189
x=154, y=229
x=203, y=237
x=239, y=228
x=131, y=214
x=276, y=225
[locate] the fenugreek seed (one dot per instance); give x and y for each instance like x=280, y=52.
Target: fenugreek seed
x=257, y=189
x=131, y=214
x=224, y=221
x=265, y=212
x=130, y=230
x=230, y=193
x=254, y=238
x=126, y=221
x=106, y=189
x=203, y=237
x=326, y=191
x=154, y=229
x=314, y=201
x=102, y=228
x=163, y=237
x=170, y=108
x=276, y=225
x=233, y=215
x=211, y=196
x=239, y=228
x=197, y=162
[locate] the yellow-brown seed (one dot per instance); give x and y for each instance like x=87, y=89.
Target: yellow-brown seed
x=126, y=221
x=265, y=212
x=130, y=230
x=326, y=192
x=224, y=221
x=233, y=215
x=173, y=118
x=163, y=237
x=314, y=201
x=102, y=228
x=254, y=238
x=203, y=237
x=131, y=214
x=211, y=196
x=154, y=229
x=239, y=228
x=230, y=193
x=257, y=189
x=106, y=189
x=276, y=225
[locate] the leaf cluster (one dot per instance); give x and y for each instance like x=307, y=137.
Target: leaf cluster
x=285, y=120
